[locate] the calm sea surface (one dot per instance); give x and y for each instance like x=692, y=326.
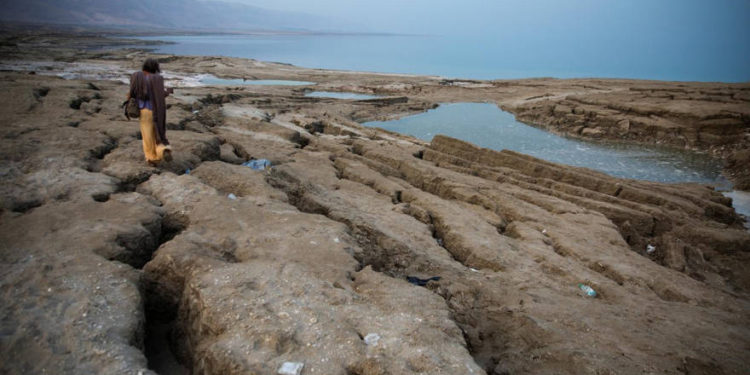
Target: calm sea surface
x=466, y=57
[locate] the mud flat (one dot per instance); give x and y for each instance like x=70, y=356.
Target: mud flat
x=307, y=262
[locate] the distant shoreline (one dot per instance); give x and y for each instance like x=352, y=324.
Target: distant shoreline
x=140, y=31
x=120, y=33
x=465, y=76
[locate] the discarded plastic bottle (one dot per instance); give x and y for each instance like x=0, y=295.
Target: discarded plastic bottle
x=587, y=289
x=291, y=368
x=257, y=164
x=372, y=339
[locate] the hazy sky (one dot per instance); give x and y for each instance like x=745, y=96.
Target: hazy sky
x=677, y=19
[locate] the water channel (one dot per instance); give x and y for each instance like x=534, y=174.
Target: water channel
x=340, y=95
x=486, y=125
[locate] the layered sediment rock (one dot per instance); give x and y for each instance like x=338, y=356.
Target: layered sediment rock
x=675, y=220
x=705, y=116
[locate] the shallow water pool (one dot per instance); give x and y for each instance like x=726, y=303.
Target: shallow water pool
x=486, y=125
x=339, y=95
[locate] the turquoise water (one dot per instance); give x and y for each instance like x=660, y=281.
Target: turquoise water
x=340, y=95
x=487, y=126
x=477, y=57
x=210, y=80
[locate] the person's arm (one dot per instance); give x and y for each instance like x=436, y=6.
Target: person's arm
x=130, y=90
x=132, y=83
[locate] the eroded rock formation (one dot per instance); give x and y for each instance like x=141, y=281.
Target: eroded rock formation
x=112, y=266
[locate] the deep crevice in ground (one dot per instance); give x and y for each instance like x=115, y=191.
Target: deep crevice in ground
x=171, y=226
x=96, y=155
x=161, y=336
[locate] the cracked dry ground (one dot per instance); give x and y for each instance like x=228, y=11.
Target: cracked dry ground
x=109, y=266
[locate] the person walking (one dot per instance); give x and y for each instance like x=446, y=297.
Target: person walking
x=147, y=87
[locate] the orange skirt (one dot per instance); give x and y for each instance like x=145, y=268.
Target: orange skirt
x=153, y=151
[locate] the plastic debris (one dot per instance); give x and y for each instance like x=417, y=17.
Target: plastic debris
x=258, y=164
x=372, y=339
x=291, y=368
x=587, y=289
x=187, y=171
x=421, y=282
x=544, y=231
x=650, y=248
x=232, y=196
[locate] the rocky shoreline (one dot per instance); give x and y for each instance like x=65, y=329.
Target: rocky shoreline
x=206, y=266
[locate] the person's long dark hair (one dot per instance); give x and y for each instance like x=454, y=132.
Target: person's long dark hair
x=151, y=66
x=138, y=85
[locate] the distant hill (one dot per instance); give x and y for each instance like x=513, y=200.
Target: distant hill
x=161, y=14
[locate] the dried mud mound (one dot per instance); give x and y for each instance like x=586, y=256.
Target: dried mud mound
x=698, y=115
x=112, y=266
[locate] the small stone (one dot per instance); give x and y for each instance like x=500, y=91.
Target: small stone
x=232, y=196
x=290, y=368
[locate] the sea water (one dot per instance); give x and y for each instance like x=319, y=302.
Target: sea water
x=477, y=57
x=340, y=95
x=486, y=125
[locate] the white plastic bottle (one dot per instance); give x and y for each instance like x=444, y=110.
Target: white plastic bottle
x=587, y=289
